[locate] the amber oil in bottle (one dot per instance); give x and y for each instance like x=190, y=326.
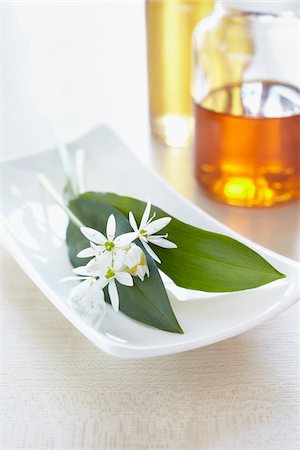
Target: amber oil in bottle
x=247, y=143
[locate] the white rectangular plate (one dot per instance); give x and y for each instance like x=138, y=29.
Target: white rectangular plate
x=35, y=230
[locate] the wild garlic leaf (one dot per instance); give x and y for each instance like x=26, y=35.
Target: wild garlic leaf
x=147, y=300
x=203, y=260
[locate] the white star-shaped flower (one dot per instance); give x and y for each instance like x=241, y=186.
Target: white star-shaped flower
x=90, y=296
x=108, y=244
x=88, y=290
x=147, y=229
x=109, y=275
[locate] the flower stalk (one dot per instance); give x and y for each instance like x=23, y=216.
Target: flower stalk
x=45, y=183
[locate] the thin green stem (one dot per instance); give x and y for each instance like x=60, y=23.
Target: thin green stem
x=45, y=183
x=65, y=161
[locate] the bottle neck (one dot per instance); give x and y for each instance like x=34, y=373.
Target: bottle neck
x=262, y=6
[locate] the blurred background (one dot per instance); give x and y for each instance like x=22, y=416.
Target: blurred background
x=68, y=66
x=72, y=66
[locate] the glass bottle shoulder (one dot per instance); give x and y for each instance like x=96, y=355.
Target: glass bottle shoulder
x=223, y=23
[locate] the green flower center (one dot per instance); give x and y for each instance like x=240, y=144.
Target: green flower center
x=110, y=274
x=109, y=246
x=143, y=232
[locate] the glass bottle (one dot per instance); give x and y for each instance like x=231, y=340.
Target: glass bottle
x=247, y=102
x=169, y=32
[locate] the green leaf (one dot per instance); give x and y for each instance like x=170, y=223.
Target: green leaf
x=203, y=260
x=146, y=301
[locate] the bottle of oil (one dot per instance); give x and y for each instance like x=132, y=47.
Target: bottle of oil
x=247, y=102
x=170, y=24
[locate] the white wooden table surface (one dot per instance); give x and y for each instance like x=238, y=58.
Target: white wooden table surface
x=59, y=391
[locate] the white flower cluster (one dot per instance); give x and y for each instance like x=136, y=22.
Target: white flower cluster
x=117, y=259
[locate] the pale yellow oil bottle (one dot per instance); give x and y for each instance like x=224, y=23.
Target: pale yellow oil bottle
x=170, y=24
